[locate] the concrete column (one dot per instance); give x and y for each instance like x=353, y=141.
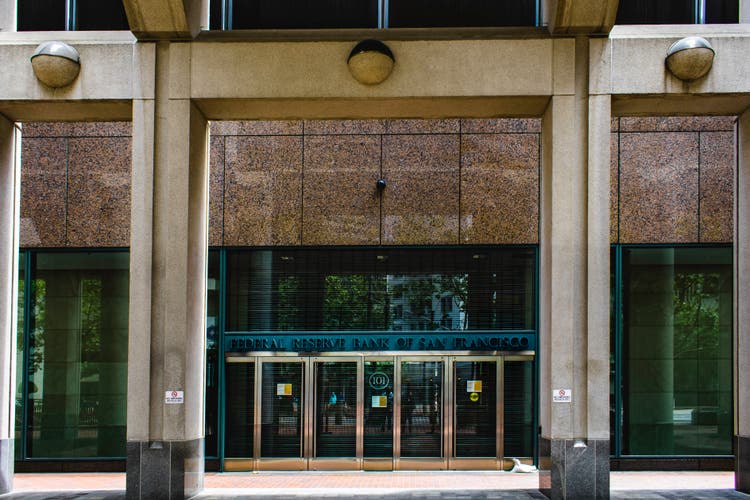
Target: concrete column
x=742, y=309
x=744, y=12
x=169, y=249
x=7, y=17
x=574, y=291
x=10, y=194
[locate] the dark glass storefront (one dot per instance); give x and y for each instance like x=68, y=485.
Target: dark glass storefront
x=672, y=339
x=73, y=339
x=397, y=334
x=373, y=358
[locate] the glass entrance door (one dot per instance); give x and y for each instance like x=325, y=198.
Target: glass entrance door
x=336, y=397
x=477, y=413
x=282, y=412
x=422, y=406
x=378, y=412
x=379, y=397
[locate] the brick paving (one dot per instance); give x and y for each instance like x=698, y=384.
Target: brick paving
x=400, y=485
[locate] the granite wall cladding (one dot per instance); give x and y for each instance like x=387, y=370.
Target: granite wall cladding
x=315, y=182
x=75, y=184
x=672, y=180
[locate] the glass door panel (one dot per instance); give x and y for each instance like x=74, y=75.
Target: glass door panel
x=336, y=409
x=475, y=416
x=378, y=429
x=282, y=403
x=421, y=409
x=240, y=410
x=518, y=408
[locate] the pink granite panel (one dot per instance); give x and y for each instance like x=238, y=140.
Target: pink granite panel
x=263, y=193
x=341, y=202
x=77, y=129
x=676, y=123
x=317, y=127
x=216, y=192
x=614, y=125
x=614, y=201
x=257, y=127
x=43, y=186
x=659, y=187
x=99, y=192
x=448, y=126
x=420, y=201
x=499, y=188
x=717, y=186
x=500, y=125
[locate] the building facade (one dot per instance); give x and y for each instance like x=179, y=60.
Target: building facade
x=223, y=252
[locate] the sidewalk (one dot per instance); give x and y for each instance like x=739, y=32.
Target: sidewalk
x=372, y=485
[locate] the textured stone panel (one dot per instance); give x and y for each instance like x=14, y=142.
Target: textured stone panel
x=614, y=125
x=99, y=192
x=257, y=127
x=216, y=192
x=420, y=202
x=658, y=187
x=499, y=188
x=318, y=127
x=43, y=192
x=341, y=202
x=500, y=125
x=717, y=186
x=77, y=129
x=614, y=190
x=676, y=123
x=449, y=126
x=263, y=193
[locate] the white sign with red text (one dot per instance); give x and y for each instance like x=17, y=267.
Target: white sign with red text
x=562, y=395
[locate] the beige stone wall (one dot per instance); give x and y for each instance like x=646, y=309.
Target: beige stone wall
x=672, y=179
x=313, y=182
x=75, y=184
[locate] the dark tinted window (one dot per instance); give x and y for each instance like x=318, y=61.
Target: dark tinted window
x=381, y=289
x=41, y=15
x=101, y=15
x=215, y=15
x=295, y=14
x=722, y=11
x=436, y=13
x=656, y=12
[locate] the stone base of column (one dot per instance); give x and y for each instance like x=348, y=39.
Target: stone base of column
x=164, y=469
x=7, y=456
x=742, y=464
x=574, y=468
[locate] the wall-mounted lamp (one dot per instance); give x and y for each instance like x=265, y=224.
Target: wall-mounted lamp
x=56, y=64
x=690, y=58
x=370, y=62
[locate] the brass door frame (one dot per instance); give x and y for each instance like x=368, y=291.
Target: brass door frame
x=343, y=463
x=426, y=463
x=469, y=463
x=308, y=461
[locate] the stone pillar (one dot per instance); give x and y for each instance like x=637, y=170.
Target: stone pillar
x=742, y=309
x=574, y=291
x=10, y=193
x=168, y=265
x=7, y=17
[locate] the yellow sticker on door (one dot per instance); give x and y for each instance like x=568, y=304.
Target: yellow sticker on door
x=473, y=386
x=283, y=389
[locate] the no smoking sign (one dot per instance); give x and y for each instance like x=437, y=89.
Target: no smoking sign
x=174, y=397
x=562, y=395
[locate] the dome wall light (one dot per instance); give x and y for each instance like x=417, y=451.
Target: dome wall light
x=56, y=64
x=690, y=58
x=371, y=62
